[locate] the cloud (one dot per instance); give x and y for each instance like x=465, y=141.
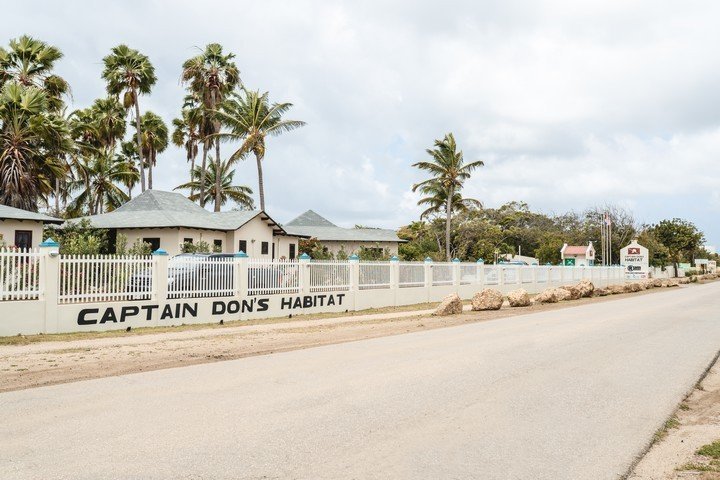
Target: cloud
x=570, y=104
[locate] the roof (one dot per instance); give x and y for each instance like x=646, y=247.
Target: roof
x=13, y=213
x=311, y=224
x=155, y=208
x=576, y=250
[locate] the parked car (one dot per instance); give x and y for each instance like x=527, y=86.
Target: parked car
x=196, y=274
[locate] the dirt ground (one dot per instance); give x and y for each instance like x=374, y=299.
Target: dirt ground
x=31, y=363
x=695, y=424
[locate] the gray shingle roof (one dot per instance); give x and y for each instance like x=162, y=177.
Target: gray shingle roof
x=20, y=214
x=155, y=208
x=313, y=225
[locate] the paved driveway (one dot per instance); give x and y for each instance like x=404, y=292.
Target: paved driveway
x=569, y=394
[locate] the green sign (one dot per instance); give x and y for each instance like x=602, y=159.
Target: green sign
x=569, y=262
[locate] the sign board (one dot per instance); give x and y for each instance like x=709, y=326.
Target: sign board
x=635, y=258
x=569, y=262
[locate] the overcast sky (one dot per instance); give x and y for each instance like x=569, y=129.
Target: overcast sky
x=570, y=104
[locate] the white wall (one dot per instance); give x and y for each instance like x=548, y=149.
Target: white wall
x=9, y=226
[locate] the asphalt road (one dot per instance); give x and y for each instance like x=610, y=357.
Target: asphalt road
x=569, y=394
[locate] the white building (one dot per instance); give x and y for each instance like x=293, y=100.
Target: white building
x=21, y=228
x=578, y=255
x=335, y=238
x=167, y=220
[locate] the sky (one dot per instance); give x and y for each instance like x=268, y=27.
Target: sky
x=569, y=104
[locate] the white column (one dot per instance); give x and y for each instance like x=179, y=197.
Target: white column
x=456, y=272
x=428, y=277
x=240, y=261
x=394, y=277
x=50, y=282
x=304, y=261
x=160, y=275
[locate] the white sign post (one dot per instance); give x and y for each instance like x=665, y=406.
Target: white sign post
x=635, y=259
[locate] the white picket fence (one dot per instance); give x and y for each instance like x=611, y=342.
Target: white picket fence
x=103, y=278
x=267, y=277
x=20, y=271
x=109, y=278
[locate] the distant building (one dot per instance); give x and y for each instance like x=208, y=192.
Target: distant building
x=578, y=255
x=335, y=238
x=21, y=228
x=168, y=220
x=711, y=249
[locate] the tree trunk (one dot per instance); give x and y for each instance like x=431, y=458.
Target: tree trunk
x=202, y=173
x=138, y=138
x=261, y=185
x=192, y=170
x=218, y=177
x=150, y=168
x=57, y=197
x=448, y=217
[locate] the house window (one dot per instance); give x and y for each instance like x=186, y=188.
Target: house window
x=292, y=251
x=264, y=248
x=23, y=239
x=217, y=245
x=242, y=246
x=154, y=243
x=187, y=240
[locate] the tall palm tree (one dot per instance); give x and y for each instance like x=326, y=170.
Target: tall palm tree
x=448, y=172
x=250, y=118
x=186, y=134
x=109, y=117
x=130, y=73
x=210, y=76
x=128, y=154
x=32, y=146
x=30, y=62
x=154, y=140
x=240, y=194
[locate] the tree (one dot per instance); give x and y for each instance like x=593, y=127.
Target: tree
x=98, y=183
x=448, y=172
x=679, y=236
x=30, y=63
x=130, y=73
x=32, y=145
x=210, y=77
x=250, y=118
x=436, y=201
x=154, y=140
x=240, y=194
x=186, y=134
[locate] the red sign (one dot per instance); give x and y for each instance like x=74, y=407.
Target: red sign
x=633, y=251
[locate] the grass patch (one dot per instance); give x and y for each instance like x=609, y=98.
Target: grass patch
x=711, y=450
x=669, y=424
x=67, y=337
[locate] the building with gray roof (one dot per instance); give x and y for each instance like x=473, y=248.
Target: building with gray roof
x=168, y=220
x=22, y=228
x=336, y=239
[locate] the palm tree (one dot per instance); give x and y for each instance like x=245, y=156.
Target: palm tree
x=98, y=183
x=186, y=134
x=436, y=201
x=250, y=118
x=448, y=172
x=33, y=142
x=240, y=194
x=210, y=77
x=130, y=73
x=154, y=140
x=109, y=117
x=30, y=62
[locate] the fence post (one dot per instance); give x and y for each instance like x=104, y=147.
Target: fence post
x=480, y=272
x=428, y=277
x=518, y=275
x=49, y=282
x=304, y=267
x=456, y=272
x=160, y=275
x=241, y=274
x=394, y=277
x=354, y=262
x=500, y=275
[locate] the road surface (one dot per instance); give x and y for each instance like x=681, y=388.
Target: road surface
x=569, y=394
